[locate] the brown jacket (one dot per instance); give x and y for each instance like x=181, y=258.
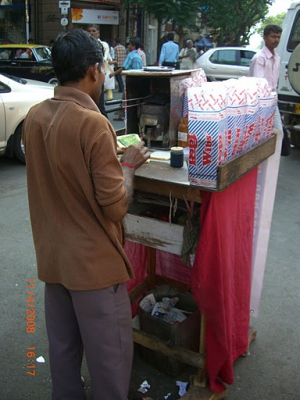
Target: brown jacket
x=73, y=170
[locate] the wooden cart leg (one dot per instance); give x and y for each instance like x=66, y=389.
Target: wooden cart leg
x=200, y=379
x=197, y=393
x=151, y=268
x=252, y=333
x=200, y=390
x=150, y=280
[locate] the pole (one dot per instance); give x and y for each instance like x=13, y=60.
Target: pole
x=27, y=20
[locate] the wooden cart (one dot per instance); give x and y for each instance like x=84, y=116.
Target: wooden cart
x=161, y=179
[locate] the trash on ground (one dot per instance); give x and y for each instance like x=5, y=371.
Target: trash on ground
x=182, y=387
x=40, y=359
x=144, y=387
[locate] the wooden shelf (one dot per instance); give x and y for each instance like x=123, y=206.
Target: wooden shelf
x=154, y=343
x=154, y=233
x=160, y=178
x=233, y=170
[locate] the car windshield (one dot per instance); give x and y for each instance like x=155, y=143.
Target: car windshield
x=294, y=39
x=43, y=54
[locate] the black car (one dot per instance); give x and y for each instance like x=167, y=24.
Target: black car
x=27, y=61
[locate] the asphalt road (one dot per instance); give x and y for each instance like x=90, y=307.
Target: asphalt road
x=270, y=372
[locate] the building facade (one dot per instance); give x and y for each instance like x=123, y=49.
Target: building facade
x=43, y=20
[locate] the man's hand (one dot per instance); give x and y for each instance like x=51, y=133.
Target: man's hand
x=136, y=155
x=120, y=151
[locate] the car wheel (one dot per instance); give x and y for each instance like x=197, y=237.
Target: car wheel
x=19, y=150
x=53, y=81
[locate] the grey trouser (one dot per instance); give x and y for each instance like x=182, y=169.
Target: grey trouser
x=97, y=322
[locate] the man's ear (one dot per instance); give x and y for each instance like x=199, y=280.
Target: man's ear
x=94, y=71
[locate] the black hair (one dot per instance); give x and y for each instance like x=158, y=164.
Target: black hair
x=117, y=40
x=170, y=36
x=135, y=41
x=272, y=29
x=73, y=53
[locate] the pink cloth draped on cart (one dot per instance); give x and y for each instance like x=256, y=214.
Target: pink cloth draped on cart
x=221, y=276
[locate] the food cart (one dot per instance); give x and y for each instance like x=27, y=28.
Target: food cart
x=221, y=275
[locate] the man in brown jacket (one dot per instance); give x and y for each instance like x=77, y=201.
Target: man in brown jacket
x=78, y=194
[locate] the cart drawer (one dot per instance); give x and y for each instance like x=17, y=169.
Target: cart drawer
x=154, y=233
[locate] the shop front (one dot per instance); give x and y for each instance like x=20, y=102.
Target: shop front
x=106, y=14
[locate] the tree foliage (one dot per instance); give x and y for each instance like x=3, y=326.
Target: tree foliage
x=276, y=20
x=180, y=12
x=233, y=19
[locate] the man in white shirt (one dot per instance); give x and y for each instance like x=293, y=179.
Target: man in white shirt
x=94, y=31
x=266, y=63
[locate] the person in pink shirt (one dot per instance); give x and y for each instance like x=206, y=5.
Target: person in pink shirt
x=266, y=63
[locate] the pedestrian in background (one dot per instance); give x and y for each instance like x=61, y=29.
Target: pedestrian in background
x=94, y=31
x=78, y=194
x=111, y=51
x=141, y=52
x=120, y=55
x=169, y=52
x=188, y=56
x=132, y=61
x=266, y=63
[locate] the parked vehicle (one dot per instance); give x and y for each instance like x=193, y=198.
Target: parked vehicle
x=289, y=79
x=27, y=61
x=17, y=96
x=222, y=63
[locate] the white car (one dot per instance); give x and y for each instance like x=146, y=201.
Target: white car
x=17, y=96
x=220, y=63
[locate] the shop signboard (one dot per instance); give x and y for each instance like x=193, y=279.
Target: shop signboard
x=88, y=16
x=64, y=6
x=101, y=17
